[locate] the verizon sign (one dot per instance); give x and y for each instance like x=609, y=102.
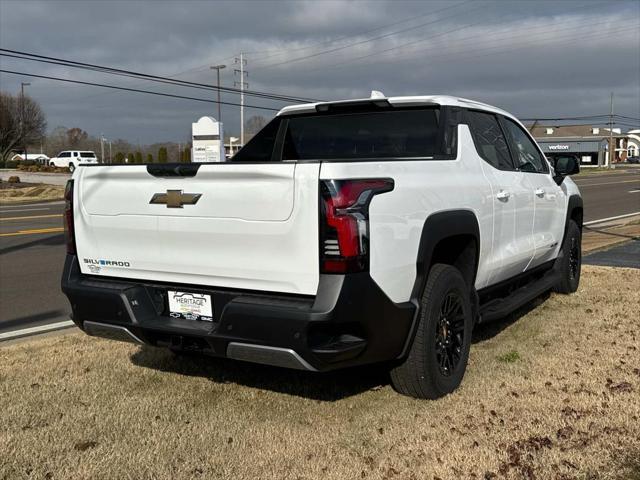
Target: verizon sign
x=558, y=147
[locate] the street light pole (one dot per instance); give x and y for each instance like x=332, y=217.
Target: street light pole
x=102, y=148
x=22, y=120
x=217, y=68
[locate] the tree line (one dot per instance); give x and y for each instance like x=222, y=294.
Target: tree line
x=22, y=120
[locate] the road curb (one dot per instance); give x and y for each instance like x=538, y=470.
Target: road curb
x=31, y=331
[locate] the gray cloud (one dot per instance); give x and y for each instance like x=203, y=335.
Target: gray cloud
x=533, y=58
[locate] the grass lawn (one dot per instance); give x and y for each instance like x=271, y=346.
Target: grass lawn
x=553, y=392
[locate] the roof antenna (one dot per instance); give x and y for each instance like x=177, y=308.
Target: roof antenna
x=377, y=94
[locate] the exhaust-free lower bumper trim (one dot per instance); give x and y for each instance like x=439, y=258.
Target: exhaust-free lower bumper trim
x=275, y=356
x=112, y=332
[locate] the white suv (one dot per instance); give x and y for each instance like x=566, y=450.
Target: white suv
x=73, y=158
x=344, y=233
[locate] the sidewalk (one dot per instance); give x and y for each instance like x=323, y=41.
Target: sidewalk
x=598, y=237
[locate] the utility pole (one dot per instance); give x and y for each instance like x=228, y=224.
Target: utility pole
x=110, y=157
x=218, y=68
x=22, y=119
x=612, y=147
x=243, y=74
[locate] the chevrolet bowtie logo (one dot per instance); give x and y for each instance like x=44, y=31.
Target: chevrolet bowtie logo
x=175, y=198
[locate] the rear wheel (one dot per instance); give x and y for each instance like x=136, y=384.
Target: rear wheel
x=438, y=357
x=570, y=260
x=72, y=167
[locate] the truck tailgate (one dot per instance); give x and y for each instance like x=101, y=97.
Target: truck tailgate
x=254, y=226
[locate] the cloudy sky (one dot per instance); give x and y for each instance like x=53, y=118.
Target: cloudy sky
x=532, y=58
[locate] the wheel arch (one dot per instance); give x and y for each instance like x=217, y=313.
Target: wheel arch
x=451, y=237
x=575, y=212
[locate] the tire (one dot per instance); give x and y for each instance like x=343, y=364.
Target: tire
x=52, y=164
x=424, y=373
x=72, y=167
x=569, y=261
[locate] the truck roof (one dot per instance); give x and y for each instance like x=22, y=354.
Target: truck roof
x=397, y=101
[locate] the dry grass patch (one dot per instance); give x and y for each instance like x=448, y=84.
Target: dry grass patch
x=566, y=407
x=15, y=193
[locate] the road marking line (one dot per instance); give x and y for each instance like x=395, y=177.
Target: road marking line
x=33, y=232
x=607, y=183
x=2, y=219
x=592, y=222
x=637, y=190
x=25, y=332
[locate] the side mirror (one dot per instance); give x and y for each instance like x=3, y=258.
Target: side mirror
x=564, y=166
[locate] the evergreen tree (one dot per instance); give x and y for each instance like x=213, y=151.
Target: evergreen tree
x=131, y=158
x=138, y=157
x=186, y=155
x=162, y=155
x=119, y=158
x=149, y=158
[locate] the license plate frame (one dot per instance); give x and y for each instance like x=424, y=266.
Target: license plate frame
x=190, y=305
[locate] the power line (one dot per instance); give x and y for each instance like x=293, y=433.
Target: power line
x=329, y=42
x=135, y=90
x=397, y=56
x=156, y=78
x=361, y=42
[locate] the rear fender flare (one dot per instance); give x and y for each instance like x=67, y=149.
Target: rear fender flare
x=437, y=227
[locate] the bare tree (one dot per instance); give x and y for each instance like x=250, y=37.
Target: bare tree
x=76, y=136
x=19, y=120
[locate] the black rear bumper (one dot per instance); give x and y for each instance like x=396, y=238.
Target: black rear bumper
x=349, y=322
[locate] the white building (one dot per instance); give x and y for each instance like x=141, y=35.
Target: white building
x=633, y=143
x=36, y=157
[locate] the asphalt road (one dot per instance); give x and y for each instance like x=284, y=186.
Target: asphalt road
x=32, y=251
x=609, y=194
x=32, y=248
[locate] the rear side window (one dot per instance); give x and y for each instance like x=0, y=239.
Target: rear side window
x=489, y=140
x=88, y=154
x=260, y=147
x=387, y=134
x=64, y=154
x=526, y=156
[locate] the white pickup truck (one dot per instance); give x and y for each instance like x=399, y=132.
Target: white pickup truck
x=72, y=158
x=344, y=233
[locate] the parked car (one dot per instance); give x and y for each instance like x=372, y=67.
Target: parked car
x=344, y=233
x=73, y=158
x=633, y=159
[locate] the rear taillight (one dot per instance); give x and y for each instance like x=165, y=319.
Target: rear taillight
x=68, y=218
x=344, y=223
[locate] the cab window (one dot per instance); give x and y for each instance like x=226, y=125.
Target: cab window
x=526, y=157
x=489, y=139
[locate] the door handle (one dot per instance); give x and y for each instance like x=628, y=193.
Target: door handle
x=540, y=192
x=503, y=195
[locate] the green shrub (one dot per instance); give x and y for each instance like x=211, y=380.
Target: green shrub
x=11, y=164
